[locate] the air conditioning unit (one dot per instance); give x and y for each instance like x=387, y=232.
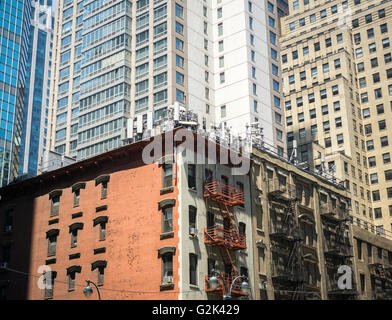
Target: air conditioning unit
x=4, y=265
x=193, y=232
x=168, y=279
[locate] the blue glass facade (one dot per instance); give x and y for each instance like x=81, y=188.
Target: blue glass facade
x=37, y=104
x=14, y=35
x=36, y=97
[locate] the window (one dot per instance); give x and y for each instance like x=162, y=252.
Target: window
x=219, y=12
x=167, y=268
x=179, y=44
x=220, y=29
x=384, y=28
x=369, y=145
x=193, y=269
x=313, y=129
x=55, y=204
x=384, y=141
x=49, y=283
x=359, y=249
x=372, y=47
x=327, y=142
x=373, y=178
x=340, y=138
x=192, y=176
x=76, y=197
x=102, y=230
x=167, y=175
x=192, y=219
x=382, y=125
x=377, y=213
x=179, y=61
x=386, y=157
x=52, y=241
x=388, y=175
x=312, y=113
x=179, y=11
x=380, y=109
x=223, y=111
x=73, y=229
x=167, y=219
x=104, y=189
x=372, y=162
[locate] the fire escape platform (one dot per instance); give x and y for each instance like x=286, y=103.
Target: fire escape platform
x=221, y=192
x=219, y=236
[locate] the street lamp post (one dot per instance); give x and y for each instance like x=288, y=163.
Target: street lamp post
x=88, y=291
x=214, y=282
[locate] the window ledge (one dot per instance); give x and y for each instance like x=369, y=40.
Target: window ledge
x=53, y=221
x=166, y=286
x=194, y=286
x=166, y=235
x=100, y=250
x=166, y=190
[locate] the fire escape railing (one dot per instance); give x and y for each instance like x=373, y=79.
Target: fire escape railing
x=227, y=238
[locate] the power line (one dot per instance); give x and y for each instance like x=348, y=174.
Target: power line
x=146, y=292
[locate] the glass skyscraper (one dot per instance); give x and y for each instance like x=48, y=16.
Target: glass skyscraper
x=36, y=100
x=14, y=36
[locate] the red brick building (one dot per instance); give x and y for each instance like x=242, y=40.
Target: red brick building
x=134, y=229
x=94, y=220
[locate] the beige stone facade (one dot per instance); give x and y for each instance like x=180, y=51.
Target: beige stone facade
x=304, y=231
x=337, y=73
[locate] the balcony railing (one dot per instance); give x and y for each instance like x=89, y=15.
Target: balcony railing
x=219, y=191
x=226, y=237
x=333, y=289
x=336, y=213
x=284, y=231
x=283, y=274
x=385, y=294
x=282, y=190
x=339, y=249
x=226, y=281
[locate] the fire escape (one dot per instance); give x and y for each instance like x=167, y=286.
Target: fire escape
x=381, y=275
x=337, y=248
x=287, y=261
x=226, y=238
